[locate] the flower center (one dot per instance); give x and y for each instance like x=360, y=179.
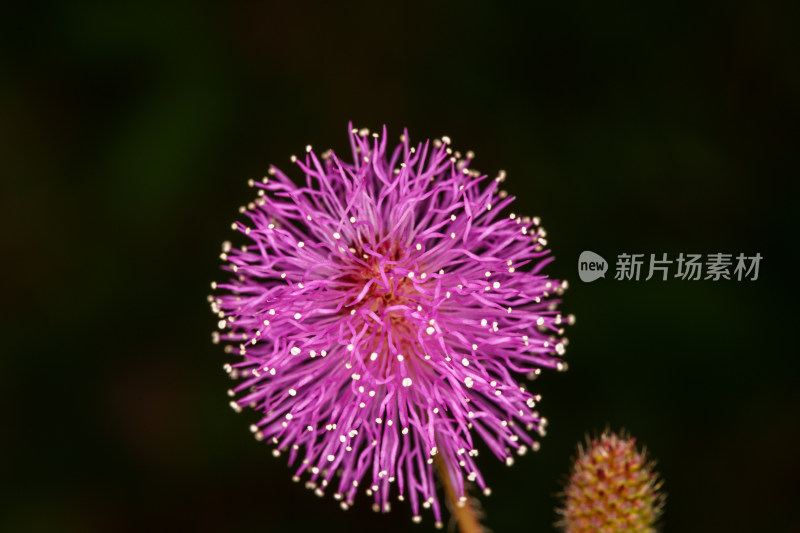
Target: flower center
x=381, y=291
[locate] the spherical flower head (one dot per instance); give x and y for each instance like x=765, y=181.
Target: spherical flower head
x=381, y=311
x=612, y=489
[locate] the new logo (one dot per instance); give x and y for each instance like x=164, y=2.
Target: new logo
x=591, y=266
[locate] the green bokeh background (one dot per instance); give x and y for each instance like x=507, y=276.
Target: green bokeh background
x=127, y=134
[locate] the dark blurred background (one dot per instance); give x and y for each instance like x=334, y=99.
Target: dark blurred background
x=127, y=134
